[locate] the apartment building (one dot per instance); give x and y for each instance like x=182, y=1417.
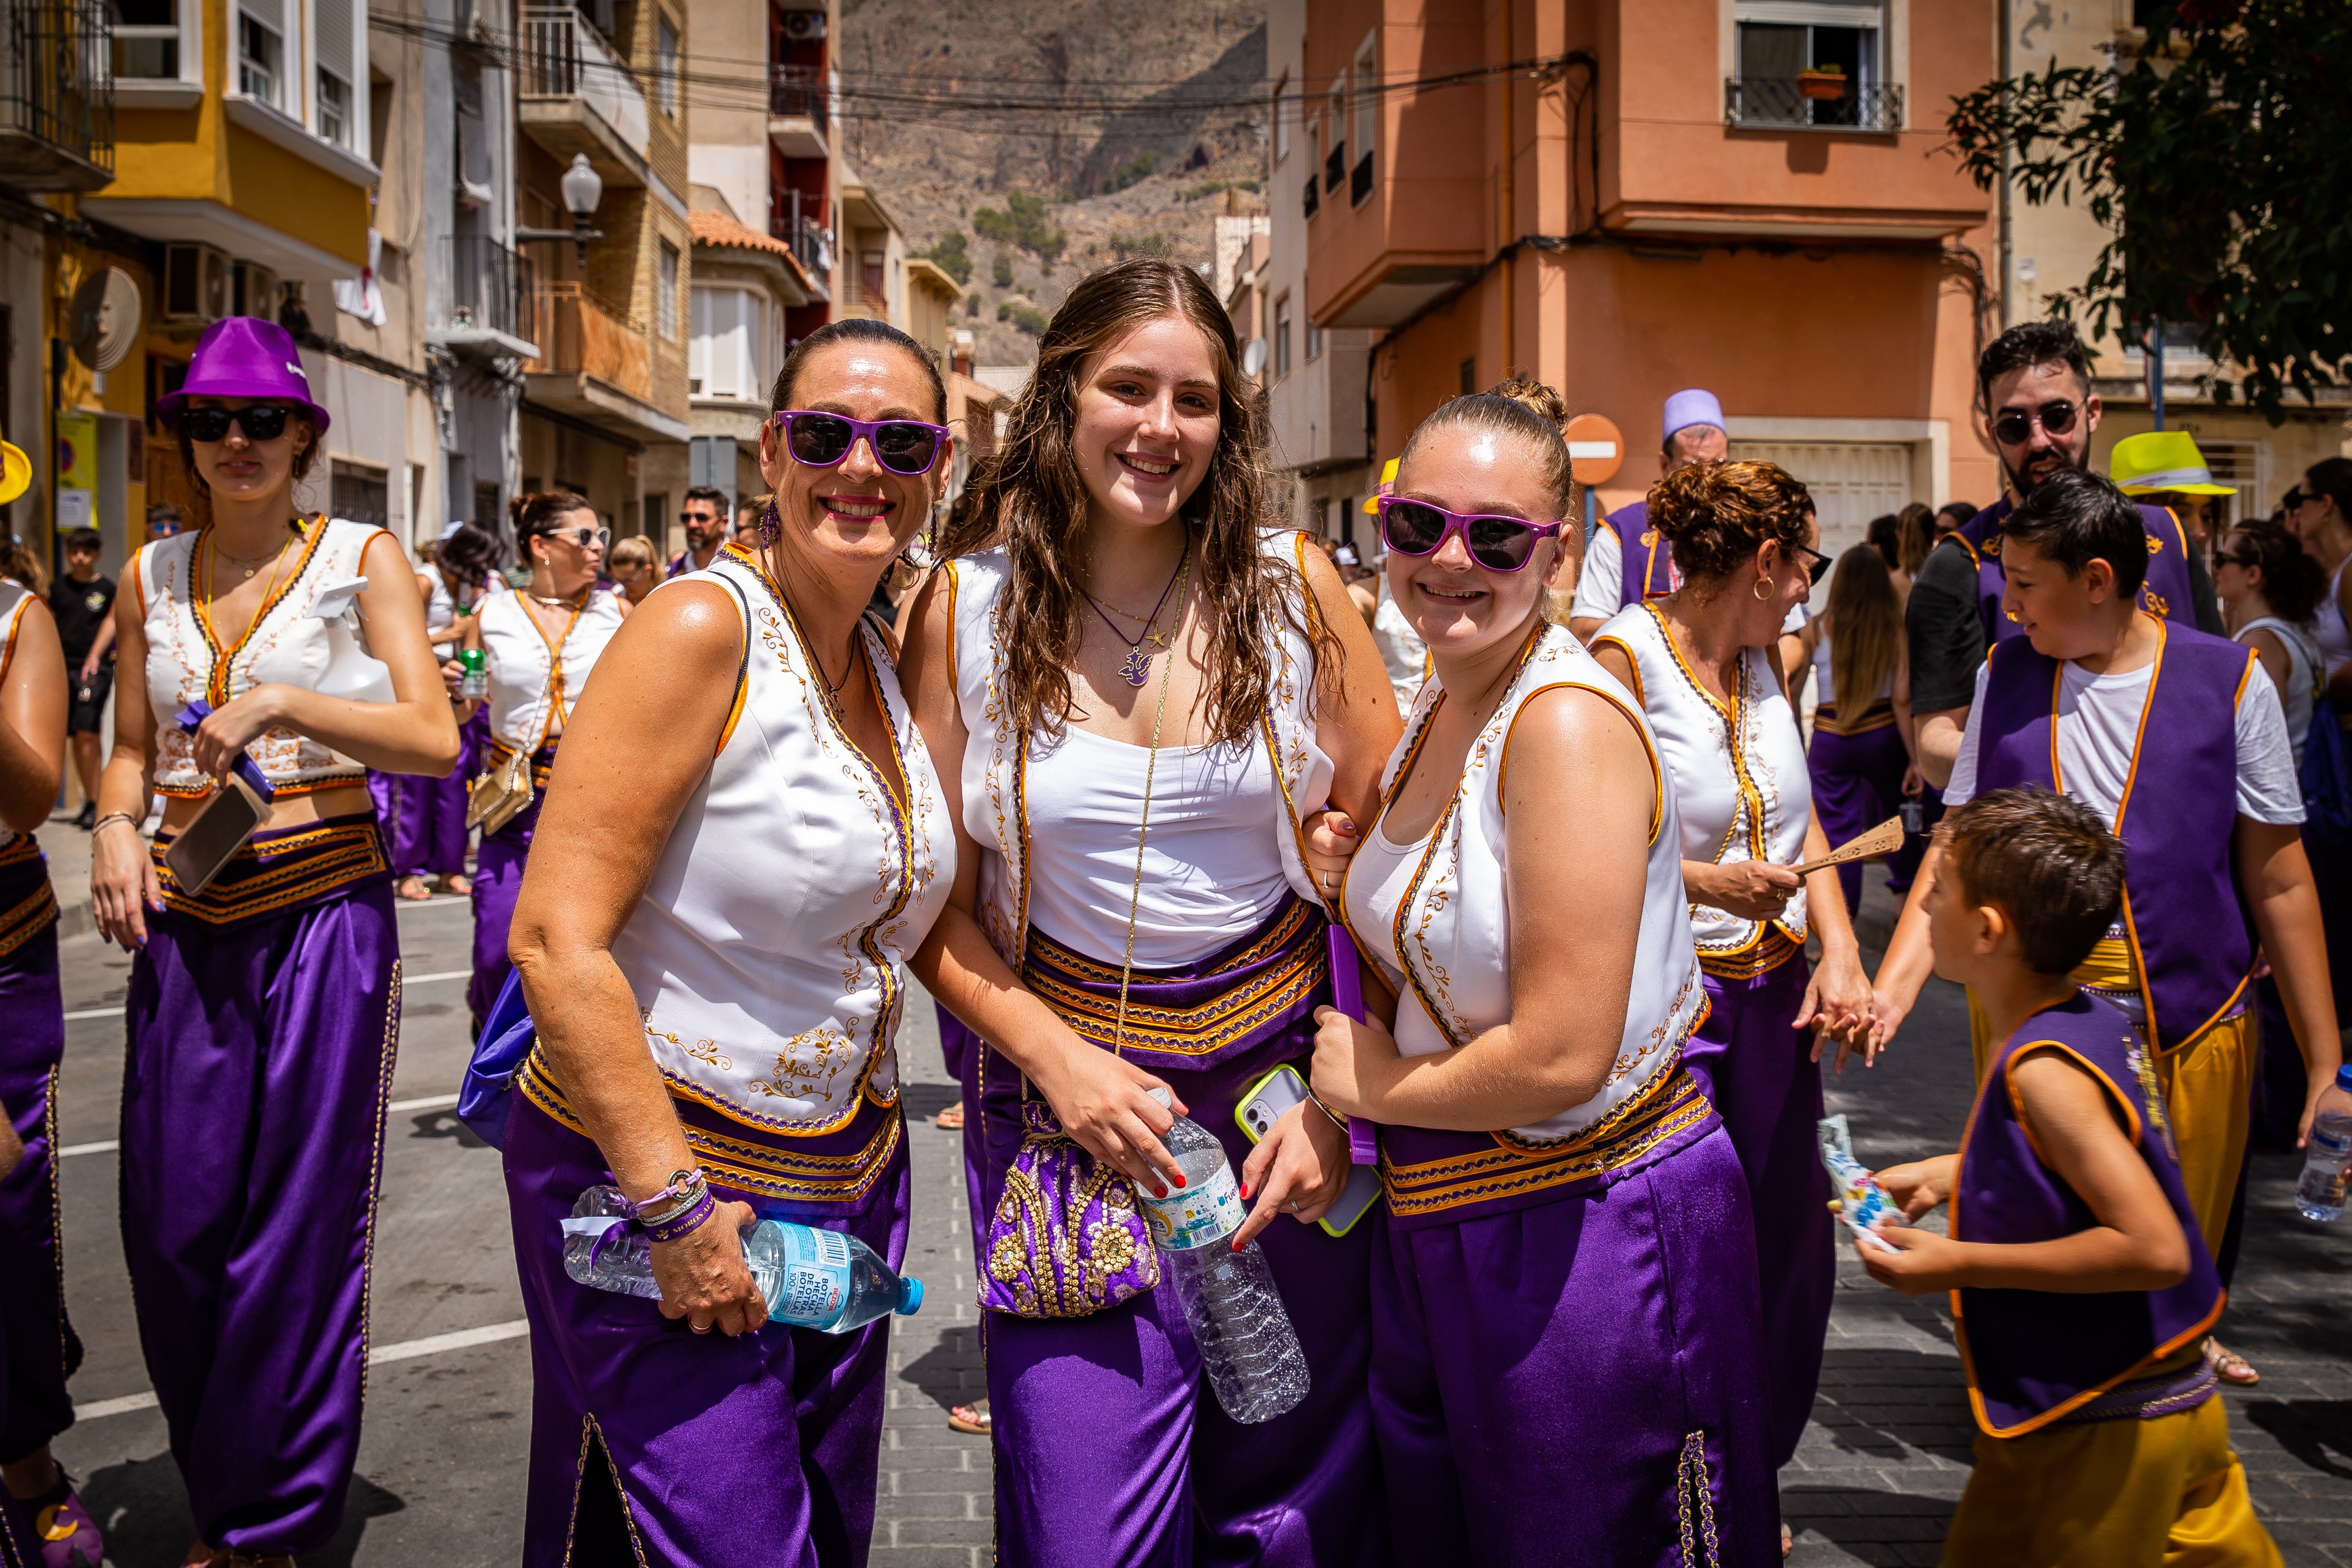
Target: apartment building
x=1747, y=196
x=2051, y=250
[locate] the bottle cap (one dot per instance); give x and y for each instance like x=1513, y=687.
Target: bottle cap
x=1160, y=1093
x=2344, y=1077
x=911, y=1296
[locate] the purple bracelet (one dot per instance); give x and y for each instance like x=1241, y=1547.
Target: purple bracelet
x=680, y=1225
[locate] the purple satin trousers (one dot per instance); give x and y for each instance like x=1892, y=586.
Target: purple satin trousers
x=259, y=1053
x=424, y=818
x=1857, y=784
x=498, y=883
x=38, y=1350
x=1760, y=1073
x=761, y=1449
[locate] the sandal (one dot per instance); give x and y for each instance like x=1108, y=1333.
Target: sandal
x=413, y=888
x=2229, y=1365
x=972, y=1418
x=456, y=885
x=951, y=1117
x=1788, y=1538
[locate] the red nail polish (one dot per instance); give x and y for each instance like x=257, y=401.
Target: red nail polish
x=1159, y=1191
x=1237, y=1247
x=1180, y=1180
x=1244, y=1189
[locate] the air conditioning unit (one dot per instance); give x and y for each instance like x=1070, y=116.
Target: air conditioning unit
x=803, y=27
x=256, y=292
x=198, y=285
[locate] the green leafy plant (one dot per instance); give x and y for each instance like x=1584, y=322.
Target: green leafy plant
x=1003, y=272
x=1133, y=172
x=952, y=257
x=971, y=306
x=1022, y=222
x=1030, y=320
x=1153, y=243
x=2218, y=157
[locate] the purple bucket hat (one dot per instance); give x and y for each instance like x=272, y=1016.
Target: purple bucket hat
x=243, y=356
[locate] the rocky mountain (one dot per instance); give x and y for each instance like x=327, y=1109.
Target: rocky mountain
x=1052, y=136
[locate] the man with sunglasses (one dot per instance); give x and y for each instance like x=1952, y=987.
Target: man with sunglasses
x=2034, y=384
x=1627, y=562
x=704, y=512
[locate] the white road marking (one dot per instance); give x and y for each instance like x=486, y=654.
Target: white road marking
x=464, y=1338
x=423, y=1102
x=405, y=979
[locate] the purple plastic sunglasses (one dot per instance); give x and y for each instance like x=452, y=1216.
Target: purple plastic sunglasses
x=1497, y=543
x=905, y=446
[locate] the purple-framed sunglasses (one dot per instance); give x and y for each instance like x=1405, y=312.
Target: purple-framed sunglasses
x=1497, y=543
x=905, y=446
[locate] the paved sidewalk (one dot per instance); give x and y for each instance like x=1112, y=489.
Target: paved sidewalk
x=67, y=847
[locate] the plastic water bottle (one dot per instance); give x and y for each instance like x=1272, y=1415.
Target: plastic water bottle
x=810, y=1279
x=475, y=683
x=1246, y=1343
x=2320, y=1193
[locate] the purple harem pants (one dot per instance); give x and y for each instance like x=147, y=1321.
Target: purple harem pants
x=1857, y=784
x=262, y=1020
x=38, y=1350
x=424, y=818
x=498, y=883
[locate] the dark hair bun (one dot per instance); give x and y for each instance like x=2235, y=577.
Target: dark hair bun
x=1719, y=514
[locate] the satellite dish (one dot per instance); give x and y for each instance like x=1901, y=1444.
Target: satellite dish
x=105, y=319
x=1253, y=357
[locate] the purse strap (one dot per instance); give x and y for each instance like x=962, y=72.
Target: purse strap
x=1150, y=768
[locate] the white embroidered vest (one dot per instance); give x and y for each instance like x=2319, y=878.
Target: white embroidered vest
x=287, y=645
x=1741, y=786
x=1450, y=938
x=14, y=597
x=995, y=811
x=533, y=681
x=763, y=955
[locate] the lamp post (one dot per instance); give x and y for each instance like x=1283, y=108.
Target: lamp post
x=581, y=188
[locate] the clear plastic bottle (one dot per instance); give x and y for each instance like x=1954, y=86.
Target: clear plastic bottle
x=810, y=1279
x=1247, y=1345
x=2320, y=1193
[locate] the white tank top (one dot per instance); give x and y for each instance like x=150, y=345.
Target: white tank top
x=2303, y=681
x=287, y=645
x=1435, y=916
x=2327, y=628
x=1211, y=868
x=535, y=679
x=763, y=953
x=1402, y=652
x=441, y=606
x=14, y=598
x=1741, y=787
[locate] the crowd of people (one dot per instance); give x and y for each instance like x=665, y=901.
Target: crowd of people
x=1101, y=763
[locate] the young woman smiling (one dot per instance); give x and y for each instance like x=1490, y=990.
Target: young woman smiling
x=1138, y=700
x=1547, y=1386
x=265, y=1007
x=709, y=938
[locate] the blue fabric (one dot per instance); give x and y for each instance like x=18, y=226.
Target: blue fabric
x=2326, y=776
x=487, y=1093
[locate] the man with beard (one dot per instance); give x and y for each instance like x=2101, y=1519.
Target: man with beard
x=2034, y=384
x=704, y=512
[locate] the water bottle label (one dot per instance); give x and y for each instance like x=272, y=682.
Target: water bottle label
x=816, y=1276
x=1196, y=1215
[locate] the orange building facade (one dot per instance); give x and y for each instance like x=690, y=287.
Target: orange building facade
x=1664, y=195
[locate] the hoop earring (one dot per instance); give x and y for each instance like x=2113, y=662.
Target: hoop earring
x=1763, y=588
x=771, y=527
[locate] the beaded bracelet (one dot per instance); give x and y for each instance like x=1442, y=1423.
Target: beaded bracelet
x=678, y=1225
x=672, y=1201
x=113, y=816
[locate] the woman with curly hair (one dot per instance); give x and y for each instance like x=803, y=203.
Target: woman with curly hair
x=1138, y=700
x=1703, y=662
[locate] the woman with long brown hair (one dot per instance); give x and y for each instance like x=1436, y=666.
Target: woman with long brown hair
x=1705, y=663
x=1860, y=759
x=1138, y=700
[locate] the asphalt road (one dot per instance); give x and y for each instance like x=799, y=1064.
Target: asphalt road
x=441, y=1467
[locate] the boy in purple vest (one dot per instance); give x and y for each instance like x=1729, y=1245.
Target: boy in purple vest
x=2080, y=1286
x=2178, y=741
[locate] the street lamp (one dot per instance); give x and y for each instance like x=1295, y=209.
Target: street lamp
x=581, y=188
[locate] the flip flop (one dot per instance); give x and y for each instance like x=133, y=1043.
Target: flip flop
x=951, y=1117
x=972, y=1418
x=456, y=885
x=413, y=888
x=2229, y=1365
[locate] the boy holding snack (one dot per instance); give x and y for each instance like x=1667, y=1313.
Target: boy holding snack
x=2080, y=1286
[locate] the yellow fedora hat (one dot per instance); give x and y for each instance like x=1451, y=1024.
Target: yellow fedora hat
x=15, y=473
x=2161, y=462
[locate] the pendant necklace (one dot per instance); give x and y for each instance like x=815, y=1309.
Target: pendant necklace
x=1137, y=668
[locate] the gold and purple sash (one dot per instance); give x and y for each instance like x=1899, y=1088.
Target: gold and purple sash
x=282, y=868
x=28, y=904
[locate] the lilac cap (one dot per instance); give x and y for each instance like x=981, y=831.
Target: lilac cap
x=243, y=356
x=1685, y=409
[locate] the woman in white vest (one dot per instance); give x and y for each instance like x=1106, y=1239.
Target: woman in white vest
x=539, y=644
x=265, y=1006
x=1705, y=663
x=745, y=839
x=1140, y=702
x=1547, y=1386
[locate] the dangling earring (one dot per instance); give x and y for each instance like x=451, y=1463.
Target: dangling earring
x=1763, y=588
x=771, y=527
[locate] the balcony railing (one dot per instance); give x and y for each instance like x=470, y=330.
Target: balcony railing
x=564, y=56
x=811, y=241
x=1780, y=102
x=1314, y=194
x=1359, y=181
x=490, y=286
x=56, y=95
x=798, y=91
x=579, y=334
x=1335, y=167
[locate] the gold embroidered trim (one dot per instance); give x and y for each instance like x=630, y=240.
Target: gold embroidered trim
x=316, y=860
x=1231, y=1016
x=1771, y=948
x=743, y=1166
x=32, y=915
x=1669, y=1103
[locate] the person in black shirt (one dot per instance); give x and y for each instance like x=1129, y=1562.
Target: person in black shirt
x=83, y=604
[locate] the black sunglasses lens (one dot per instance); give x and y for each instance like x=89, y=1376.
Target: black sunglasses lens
x=1412, y=528
x=205, y=423
x=1499, y=544
x=821, y=441
x=905, y=448
x=2012, y=429
x=1819, y=570
x=2057, y=417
